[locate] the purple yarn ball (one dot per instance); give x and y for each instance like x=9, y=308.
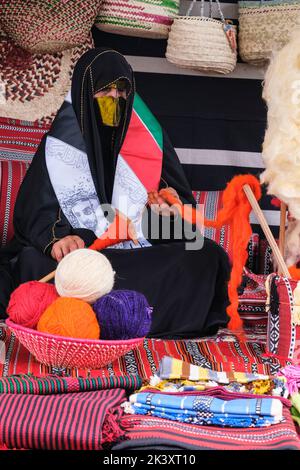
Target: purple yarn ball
x=123, y=314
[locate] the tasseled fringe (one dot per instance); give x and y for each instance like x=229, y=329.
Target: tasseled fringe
x=112, y=431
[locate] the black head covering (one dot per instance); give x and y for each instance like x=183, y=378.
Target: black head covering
x=95, y=70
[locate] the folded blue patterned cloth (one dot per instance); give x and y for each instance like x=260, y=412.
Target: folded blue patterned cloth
x=244, y=412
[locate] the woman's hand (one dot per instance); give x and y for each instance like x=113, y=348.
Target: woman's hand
x=65, y=246
x=158, y=205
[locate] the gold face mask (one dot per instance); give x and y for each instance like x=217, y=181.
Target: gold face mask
x=110, y=110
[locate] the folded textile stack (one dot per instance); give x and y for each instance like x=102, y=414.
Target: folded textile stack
x=182, y=401
x=73, y=421
x=175, y=375
x=169, y=414
x=191, y=407
x=149, y=432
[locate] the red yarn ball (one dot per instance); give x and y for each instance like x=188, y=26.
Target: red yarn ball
x=29, y=301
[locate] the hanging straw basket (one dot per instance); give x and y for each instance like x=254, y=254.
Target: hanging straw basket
x=202, y=43
x=62, y=352
x=141, y=18
x=266, y=27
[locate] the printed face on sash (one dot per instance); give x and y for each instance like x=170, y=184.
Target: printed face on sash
x=85, y=214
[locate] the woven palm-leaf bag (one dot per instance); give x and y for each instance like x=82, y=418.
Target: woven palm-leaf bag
x=265, y=27
x=143, y=18
x=202, y=43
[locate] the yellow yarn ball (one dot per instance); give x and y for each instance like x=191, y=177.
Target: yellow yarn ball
x=84, y=274
x=73, y=318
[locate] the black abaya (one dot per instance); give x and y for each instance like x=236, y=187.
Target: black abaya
x=188, y=289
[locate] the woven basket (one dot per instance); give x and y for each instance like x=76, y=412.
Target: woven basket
x=62, y=352
x=48, y=26
x=142, y=18
x=265, y=27
x=35, y=84
x=200, y=43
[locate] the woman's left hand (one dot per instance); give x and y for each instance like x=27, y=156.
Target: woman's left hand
x=158, y=205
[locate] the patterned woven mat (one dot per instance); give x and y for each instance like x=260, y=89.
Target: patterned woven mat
x=33, y=86
x=148, y=432
x=222, y=353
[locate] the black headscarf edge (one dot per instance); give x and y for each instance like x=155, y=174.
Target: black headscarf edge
x=96, y=69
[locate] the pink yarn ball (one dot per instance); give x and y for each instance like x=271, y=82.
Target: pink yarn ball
x=29, y=301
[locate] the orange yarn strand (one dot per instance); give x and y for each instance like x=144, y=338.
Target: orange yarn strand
x=119, y=230
x=294, y=272
x=235, y=212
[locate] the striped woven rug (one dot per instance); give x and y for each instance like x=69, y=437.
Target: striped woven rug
x=223, y=353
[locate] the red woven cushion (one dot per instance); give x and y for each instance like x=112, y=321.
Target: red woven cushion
x=12, y=174
x=19, y=140
x=283, y=320
x=212, y=202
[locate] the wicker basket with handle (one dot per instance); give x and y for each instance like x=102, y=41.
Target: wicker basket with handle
x=202, y=43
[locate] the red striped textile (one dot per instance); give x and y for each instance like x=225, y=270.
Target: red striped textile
x=283, y=337
x=19, y=140
x=12, y=174
x=74, y=421
x=147, y=432
x=212, y=202
x=225, y=353
x=28, y=384
x=252, y=301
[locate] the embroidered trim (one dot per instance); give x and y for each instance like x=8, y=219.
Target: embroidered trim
x=111, y=83
x=54, y=238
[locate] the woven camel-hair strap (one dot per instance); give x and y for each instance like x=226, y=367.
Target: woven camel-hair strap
x=210, y=9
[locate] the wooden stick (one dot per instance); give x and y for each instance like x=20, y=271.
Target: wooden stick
x=266, y=229
x=110, y=234
x=283, y=210
x=48, y=277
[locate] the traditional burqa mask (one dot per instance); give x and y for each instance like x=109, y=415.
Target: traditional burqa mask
x=112, y=103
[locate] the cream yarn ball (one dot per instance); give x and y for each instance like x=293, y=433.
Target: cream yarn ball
x=84, y=274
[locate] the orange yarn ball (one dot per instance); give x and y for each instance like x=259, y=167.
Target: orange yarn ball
x=70, y=317
x=29, y=301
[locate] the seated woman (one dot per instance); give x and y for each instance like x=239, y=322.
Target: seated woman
x=106, y=148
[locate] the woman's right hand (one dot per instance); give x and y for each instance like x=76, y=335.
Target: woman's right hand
x=64, y=246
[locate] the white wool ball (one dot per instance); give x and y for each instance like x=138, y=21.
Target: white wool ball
x=84, y=274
